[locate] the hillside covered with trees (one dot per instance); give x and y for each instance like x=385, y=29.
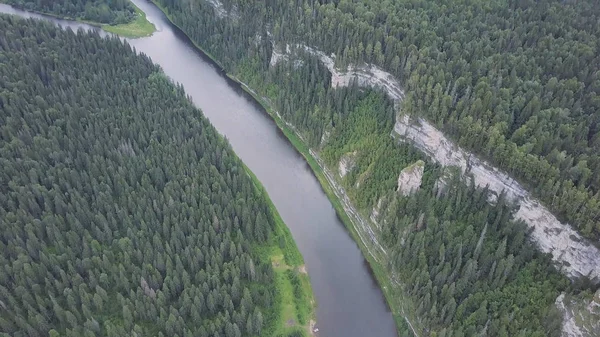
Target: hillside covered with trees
x=101, y=11
x=122, y=211
x=517, y=82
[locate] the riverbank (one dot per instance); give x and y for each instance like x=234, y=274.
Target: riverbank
x=394, y=299
x=295, y=309
x=165, y=11
x=342, y=317
x=139, y=27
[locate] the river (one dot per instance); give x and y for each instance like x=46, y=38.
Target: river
x=350, y=302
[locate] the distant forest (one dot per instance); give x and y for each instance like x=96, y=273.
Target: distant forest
x=100, y=11
x=122, y=211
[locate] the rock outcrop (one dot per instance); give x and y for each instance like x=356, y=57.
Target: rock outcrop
x=347, y=163
x=222, y=12
x=366, y=75
x=581, y=316
x=574, y=255
x=409, y=180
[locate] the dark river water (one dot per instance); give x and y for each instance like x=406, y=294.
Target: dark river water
x=350, y=302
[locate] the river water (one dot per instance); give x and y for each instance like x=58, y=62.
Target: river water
x=350, y=302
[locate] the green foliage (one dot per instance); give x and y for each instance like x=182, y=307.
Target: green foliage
x=139, y=27
x=468, y=265
x=517, y=82
x=303, y=314
x=122, y=210
x=377, y=159
x=492, y=76
x=113, y=12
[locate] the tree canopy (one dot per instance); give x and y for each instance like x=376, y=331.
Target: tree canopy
x=122, y=211
x=518, y=82
x=513, y=81
x=100, y=11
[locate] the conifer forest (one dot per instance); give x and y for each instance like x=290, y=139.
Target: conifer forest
x=124, y=213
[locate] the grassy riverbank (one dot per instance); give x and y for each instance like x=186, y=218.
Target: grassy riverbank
x=139, y=27
x=294, y=303
x=393, y=296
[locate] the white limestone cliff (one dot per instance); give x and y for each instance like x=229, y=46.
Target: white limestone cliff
x=574, y=255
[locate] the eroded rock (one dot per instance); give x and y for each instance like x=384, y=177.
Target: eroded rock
x=366, y=75
x=410, y=178
x=347, y=163
x=574, y=255
x=221, y=11
x=581, y=316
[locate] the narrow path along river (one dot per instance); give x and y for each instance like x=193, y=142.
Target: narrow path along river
x=350, y=302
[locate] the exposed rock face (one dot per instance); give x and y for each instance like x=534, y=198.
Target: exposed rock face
x=574, y=254
x=276, y=56
x=376, y=210
x=347, y=163
x=581, y=318
x=366, y=75
x=410, y=178
x=220, y=10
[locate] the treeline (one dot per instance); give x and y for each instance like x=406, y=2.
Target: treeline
x=100, y=11
x=122, y=211
x=517, y=82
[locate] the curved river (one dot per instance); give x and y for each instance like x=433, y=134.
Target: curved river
x=350, y=303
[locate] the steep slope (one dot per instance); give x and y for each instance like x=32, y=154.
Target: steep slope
x=519, y=77
x=316, y=64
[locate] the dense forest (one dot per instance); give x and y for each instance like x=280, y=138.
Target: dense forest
x=468, y=266
x=101, y=11
x=122, y=211
x=517, y=82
